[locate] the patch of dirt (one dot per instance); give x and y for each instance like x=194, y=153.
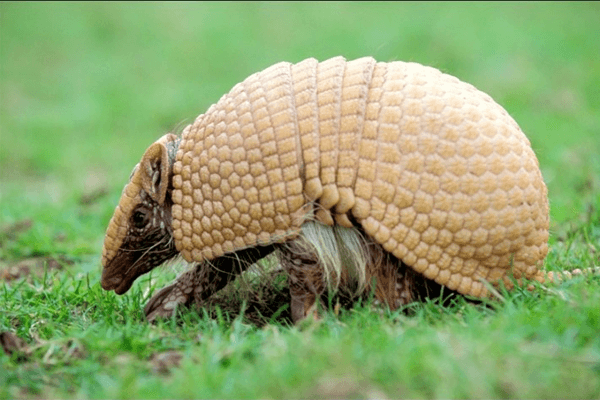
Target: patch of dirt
x=34, y=266
x=345, y=386
x=74, y=349
x=13, y=345
x=58, y=351
x=163, y=362
x=11, y=231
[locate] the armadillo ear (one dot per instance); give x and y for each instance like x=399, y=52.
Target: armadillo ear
x=154, y=171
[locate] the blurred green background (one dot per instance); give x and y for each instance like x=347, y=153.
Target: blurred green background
x=87, y=87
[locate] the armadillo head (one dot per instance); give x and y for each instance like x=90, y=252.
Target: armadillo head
x=139, y=236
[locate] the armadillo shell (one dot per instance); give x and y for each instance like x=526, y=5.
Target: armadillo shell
x=431, y=168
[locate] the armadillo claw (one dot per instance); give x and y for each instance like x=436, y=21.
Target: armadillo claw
x=164, y=304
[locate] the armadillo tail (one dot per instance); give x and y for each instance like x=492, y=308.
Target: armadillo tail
x=560, y=276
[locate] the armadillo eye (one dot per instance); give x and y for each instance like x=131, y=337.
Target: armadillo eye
x=139, y=219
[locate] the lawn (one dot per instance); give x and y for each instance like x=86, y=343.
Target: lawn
x=86, y=87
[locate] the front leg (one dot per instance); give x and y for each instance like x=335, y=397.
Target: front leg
x=202, y=281
x=305, y=279
x=195, y=285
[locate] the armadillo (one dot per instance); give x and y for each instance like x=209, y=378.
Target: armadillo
x=424, y=169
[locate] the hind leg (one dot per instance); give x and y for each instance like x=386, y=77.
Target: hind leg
x=399, y=285
x=392, y=282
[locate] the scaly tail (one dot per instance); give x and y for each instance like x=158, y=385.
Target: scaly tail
x=560, y=276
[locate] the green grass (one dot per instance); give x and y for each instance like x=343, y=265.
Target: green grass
x=85, y=88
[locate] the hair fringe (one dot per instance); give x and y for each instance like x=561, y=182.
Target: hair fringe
x=342, y=253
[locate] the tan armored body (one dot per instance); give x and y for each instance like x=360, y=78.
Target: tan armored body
x=428, y=167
